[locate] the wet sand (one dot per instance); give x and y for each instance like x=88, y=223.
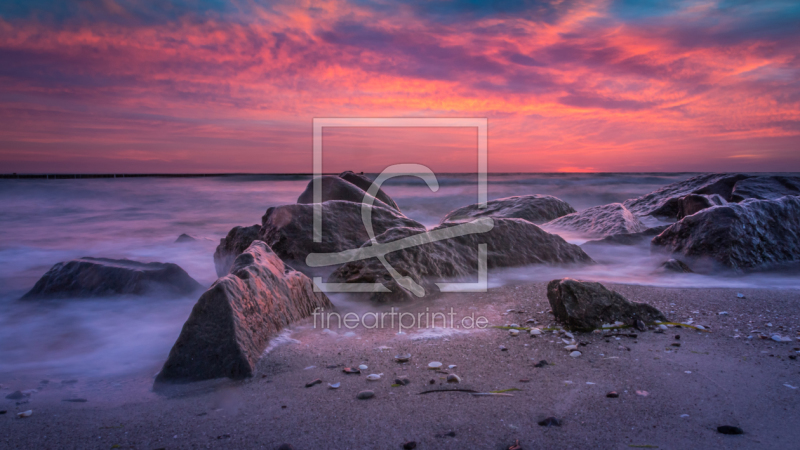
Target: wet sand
x=732, y=381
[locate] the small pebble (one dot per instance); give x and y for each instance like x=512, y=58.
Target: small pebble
x=314, y=383
x=350, y=370
x=535, y=332
x=363, y=367
x=434, y=365
x=513, y=332
x=374, y=376
x=503, y=348
x=541, y=364
x=402, y=380
x=25, y=414
x=334, y=385
x=728, y=429
x=410, y=445
x=432, y=382
x=403, y=358
x=550, y=422
x=612, y=394
x=575, y=354
x=75, y=400
x=364, y=395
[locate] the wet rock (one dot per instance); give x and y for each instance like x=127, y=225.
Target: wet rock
x=599, y=221
x=183, y=238
x=550, y=422
x=584, y=305
x=533, y=208
x=364, y=395
x=232, y=322
x=674, y=266
x=728, y=429
x=768, y=187
x=693, y=203
x=365, y=183
x=457, y=258
x=289, y=231
x=337, y=188
x=753, y=234
x=102, y=277
x=665, y=202
x=232, y=245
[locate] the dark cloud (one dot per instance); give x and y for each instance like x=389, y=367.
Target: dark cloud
x=587, y=100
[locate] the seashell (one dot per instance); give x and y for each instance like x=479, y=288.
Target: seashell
x=575, y=354
x=513, y=332
x=434, y=365
x=363, y=395
x=451, y=366
x=374, y=376
x=571, y=347
x=334, y=385
x=363, y=367
x=25, y=413
x=453, y=378
x=402, y=358
x=569, y=335
x=536, y=332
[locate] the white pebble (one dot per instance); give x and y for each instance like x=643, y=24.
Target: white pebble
x=434, y=365
x=575, y=354
x=363, y=367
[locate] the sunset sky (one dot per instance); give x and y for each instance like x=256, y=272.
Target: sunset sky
x=213, y=86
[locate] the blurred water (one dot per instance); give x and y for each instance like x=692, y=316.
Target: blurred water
x=47, y=221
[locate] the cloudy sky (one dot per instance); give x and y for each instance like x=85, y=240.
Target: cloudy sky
x=213, y=86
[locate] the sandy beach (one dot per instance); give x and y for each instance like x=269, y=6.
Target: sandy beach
x=711, y=379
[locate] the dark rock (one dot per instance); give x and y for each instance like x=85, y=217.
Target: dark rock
x=747, y=235
x=364, y=395
x=314, y=383
x=232, y=245
x=767, y=187
x=432, y=381
x=550, y=422
x=693, y=203
x=585, y=305
x=75, y=400
x=402, y=380
x=351, y=370
x=336, y=188
x=16, y=395
x=365, y=183
x=456, y=259
x=640, y=326
x=410, y=445
x=289, y=231
x=674, y=265
x=185, y=238
x=613, y=394
x=533, y=208
x=599, y=221
x=3, y=412
x=286, y=447
x=677, y=337
x=101, y=277
x=450, y=433
x=665, y=202
x=541, y=364
x=628, y=238
x=728, y=429
x=232, y=322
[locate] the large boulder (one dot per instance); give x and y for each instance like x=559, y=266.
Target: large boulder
x=747, y=235
x=365, y=183
x=586, y=305
x=233, y=321
x=665, y=202
x=766, y=187
x=599, y=221
x=289, y=231
x=533, y=208
x=232, y=245
x=510, y=243
x=102, y=277
x=335, y=188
